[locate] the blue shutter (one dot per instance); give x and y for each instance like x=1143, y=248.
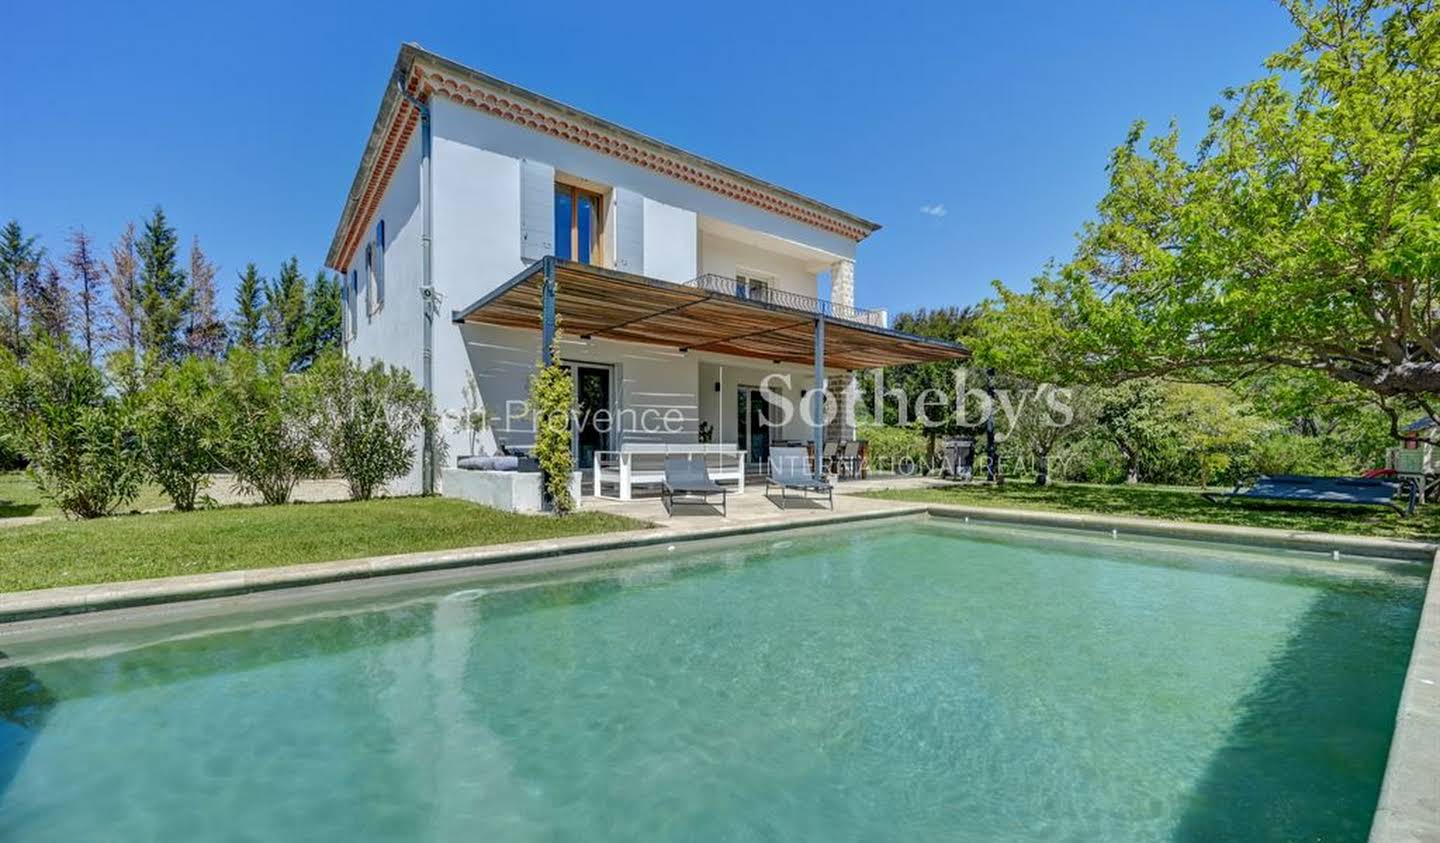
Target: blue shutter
x=354, y=301
x=380, y=264
x=629, y=231
x=537, y=210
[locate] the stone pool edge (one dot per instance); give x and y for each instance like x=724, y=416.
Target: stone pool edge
x=1409, y=806
x=40, y=604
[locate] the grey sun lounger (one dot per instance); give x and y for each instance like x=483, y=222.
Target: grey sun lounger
x=789, y=469
x=688, y=478
x=1359, y=491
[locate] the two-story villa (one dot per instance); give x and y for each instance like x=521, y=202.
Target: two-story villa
x=483, y=214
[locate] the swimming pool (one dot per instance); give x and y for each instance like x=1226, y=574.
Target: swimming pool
x=915, y=681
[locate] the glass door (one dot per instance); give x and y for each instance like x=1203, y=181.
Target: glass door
x=593, y=423
x=753, y=424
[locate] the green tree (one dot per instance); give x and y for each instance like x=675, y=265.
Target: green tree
x=323, y=314
x=932, y=384
x=48, y=304
x=76, y=434
x=551, y=398
x=179, y=426
x=164, y=297
x=265, y=424
x=19, y=259
x=246, y=329
x=285, y=306
x=366, y=420
x=1303, y=233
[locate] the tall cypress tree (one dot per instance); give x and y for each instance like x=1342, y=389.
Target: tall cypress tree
x=48, y=303
x=245, y=328
x=204, y=332
x=164, y=295
x=324, y=313
x=19, y=259
x=124, y=321
x=285, y=318
x=86, y=275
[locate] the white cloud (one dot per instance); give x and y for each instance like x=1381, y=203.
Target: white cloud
x=936, y=210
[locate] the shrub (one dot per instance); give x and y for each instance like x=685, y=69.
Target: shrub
x=180, y=430
x=264, y=425
x=365, y=421
x=550, y=400
x=891, y=448
x=77, y=436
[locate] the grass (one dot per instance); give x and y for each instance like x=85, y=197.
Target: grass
x=1183, y=505
x=162, y=544
x=19, y=498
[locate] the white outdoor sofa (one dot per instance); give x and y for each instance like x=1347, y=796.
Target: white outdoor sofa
x=643, y=464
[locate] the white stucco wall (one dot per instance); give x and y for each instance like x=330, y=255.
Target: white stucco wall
x=733, y=373
x=670, y=242
x=645, y=378
x=476, y=247
x=722, y=256
x=392, y=335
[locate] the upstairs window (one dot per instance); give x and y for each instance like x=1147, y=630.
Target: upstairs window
x=369, y=279
x=577, y=224
x=354, y=301
x=751, y=286
x=379, y=265
x=345, y=308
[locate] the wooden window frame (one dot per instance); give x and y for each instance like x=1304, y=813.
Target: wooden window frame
x=597, y=254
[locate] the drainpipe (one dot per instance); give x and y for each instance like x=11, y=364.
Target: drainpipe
x=427, y=288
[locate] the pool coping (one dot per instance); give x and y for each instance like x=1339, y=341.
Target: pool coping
x=59, y=602
x=1408, y=808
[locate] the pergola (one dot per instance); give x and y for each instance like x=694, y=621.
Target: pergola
x=602, y=303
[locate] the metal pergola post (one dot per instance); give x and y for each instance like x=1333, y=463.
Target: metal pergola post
x=819, y=418
x=547, y=311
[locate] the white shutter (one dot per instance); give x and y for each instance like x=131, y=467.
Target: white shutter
x=629, y=231
x=537, y=210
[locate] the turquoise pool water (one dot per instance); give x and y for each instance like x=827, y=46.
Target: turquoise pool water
x=915, y=682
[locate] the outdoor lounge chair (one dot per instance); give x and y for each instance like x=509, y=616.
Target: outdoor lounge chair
x=789, y=469
x=1360, y=491
x=688, y=478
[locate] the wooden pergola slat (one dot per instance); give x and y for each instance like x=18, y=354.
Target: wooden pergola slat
x=601, y=303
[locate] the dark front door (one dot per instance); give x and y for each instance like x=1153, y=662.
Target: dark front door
x=592, y=399
x=753, y=424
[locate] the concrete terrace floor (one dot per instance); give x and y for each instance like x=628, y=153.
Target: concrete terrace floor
x=753, y=507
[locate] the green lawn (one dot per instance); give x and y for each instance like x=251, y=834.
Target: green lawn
x=19, y=497
x=1183, y=505
x=162, y=544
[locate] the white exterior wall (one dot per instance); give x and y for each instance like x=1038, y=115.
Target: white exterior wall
x=393, y=334
x=670, y=242
x=645, y=378
x=733, y=373
x=476, y=246
x=722, y=256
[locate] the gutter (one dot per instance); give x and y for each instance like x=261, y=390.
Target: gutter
x=427, y=287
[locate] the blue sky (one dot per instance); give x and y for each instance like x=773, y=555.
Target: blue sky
x=246, y=121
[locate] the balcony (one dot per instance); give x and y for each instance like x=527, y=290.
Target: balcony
x=711, y=283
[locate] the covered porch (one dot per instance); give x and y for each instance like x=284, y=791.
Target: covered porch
x=737, y=372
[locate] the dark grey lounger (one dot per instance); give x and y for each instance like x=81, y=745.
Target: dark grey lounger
x=1360, y=491
x=687, y=477
x=789, y=470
